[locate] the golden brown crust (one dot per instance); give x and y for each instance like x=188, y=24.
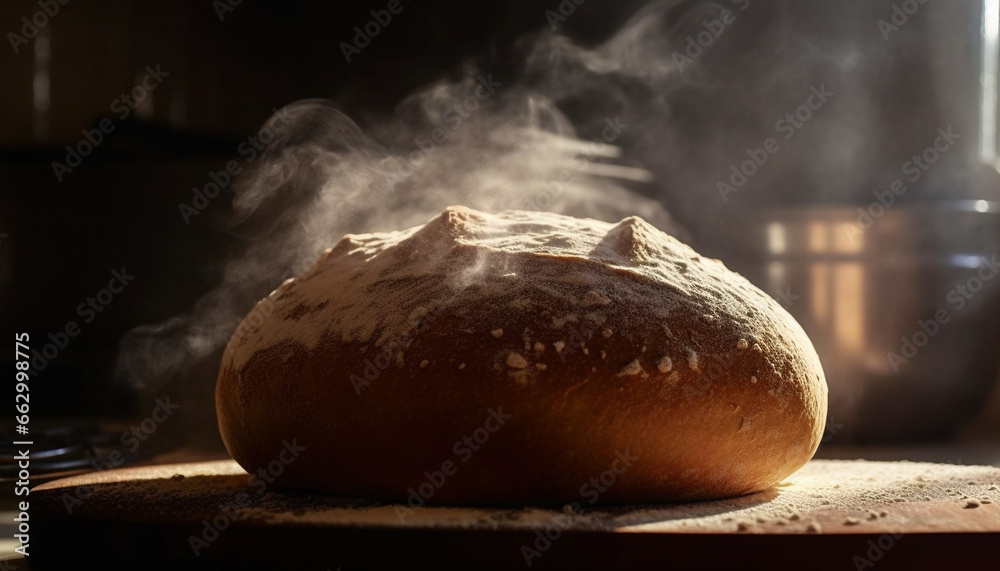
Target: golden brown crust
x=599, y=341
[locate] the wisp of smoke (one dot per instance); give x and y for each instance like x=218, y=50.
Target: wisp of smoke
x=577, y=134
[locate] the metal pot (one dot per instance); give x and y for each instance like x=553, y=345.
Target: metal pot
x=900, y=303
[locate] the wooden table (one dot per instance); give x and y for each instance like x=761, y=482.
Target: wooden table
x=832, y=514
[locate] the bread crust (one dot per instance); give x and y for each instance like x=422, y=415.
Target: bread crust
x=597, y=350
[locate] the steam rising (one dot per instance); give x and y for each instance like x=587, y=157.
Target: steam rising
x=486, y=142
x=579, y=132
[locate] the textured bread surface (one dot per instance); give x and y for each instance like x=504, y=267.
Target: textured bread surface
x=521, y=357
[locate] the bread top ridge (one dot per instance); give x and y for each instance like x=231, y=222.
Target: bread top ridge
x=382, y=288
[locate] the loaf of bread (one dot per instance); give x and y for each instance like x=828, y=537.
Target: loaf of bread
x=516, y=358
